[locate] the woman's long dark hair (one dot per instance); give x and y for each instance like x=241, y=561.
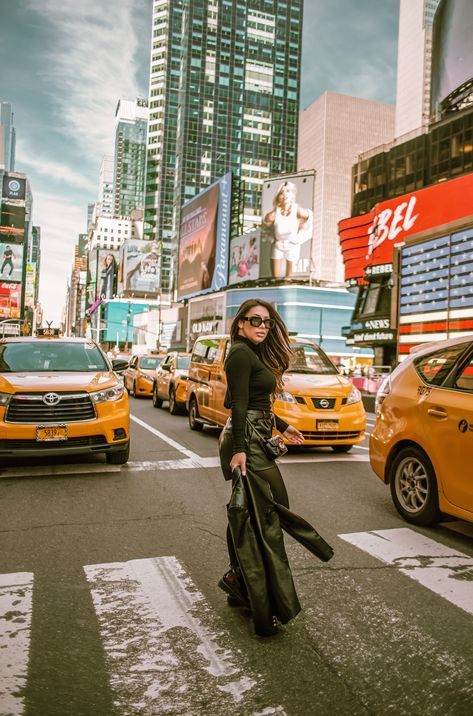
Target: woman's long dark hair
x=275, y=351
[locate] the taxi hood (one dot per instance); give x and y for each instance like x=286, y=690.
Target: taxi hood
x=56, y=381
x=308, y=383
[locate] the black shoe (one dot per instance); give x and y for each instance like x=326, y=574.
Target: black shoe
x=230, y=583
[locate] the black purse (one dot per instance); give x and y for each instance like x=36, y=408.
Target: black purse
x=274, y=447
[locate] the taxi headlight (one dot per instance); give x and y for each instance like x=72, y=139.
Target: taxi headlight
x=5, y=398
x=354, y=396
x=286, y=397
x=108, y=395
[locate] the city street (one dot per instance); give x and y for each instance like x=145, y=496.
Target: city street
x=109, y=603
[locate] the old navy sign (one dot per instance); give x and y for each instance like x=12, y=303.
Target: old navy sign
x=369, y=240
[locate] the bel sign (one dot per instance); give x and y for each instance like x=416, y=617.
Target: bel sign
x=368, y=240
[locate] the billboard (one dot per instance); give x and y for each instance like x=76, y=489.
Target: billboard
x=11, y=261
x=287, y=226
x=245, y=257
x=203, y=240
x=138, y=273
x=10, y=300
x=30, y=284
x=452, y=55
x=13, y=187
x=368, y=241
x=12, y=222
x=102, y=264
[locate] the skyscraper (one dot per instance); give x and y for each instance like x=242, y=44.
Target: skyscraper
x=104, y=206
x=224, y=95
x=130, y=155
x=414, y=60
x=7, y=138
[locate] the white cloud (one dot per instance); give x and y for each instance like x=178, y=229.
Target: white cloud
x=92, y=64
x=28, y=159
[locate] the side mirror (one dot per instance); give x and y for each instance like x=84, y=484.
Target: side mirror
x=166, y=367
x=119, y=364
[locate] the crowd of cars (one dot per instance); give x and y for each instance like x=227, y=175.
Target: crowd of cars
x=61, y=396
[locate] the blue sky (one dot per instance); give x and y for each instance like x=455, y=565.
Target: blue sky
x=64, y=65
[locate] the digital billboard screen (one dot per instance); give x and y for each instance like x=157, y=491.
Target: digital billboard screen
x=10, y=300
x=245, y=257
x=287, y=226
x=12, y=223
x=138, y=273
x=13, y=187
x=11, y=261
x=203, y=240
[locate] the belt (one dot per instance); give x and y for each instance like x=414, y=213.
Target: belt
x=259, y=414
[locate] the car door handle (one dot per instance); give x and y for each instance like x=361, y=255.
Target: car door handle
x=437, y=412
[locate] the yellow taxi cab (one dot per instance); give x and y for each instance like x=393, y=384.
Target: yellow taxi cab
x=61, y=396
x=170, y=382
x=139, y=374
x=422, y=441
x=317, y=399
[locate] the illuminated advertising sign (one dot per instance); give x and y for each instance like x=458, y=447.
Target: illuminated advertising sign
x=10, y=300
x=207, y=316
x=11, y=262
x=138, y=272
x=287, y=226
x=12, y=223
x=30, y=284
x=369, y=240
x=245, y=257
x=102, y=265
x=13, y=187
x=203, y=241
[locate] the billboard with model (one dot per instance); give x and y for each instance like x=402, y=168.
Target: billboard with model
x=203, y=240
x=138, y=272
x=245, y=257
x=287, y=226
x=11, y=261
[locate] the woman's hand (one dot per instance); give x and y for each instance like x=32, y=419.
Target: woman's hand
x=293, y=435
x=239, y=460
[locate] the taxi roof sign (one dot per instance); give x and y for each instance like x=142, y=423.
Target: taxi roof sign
x=48, y=332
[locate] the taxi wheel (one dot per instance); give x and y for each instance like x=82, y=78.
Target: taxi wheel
x=120, y=457
x=414, y=487
x=194, y=423
x=173, y=407
x=341, y=448
x=157, y=402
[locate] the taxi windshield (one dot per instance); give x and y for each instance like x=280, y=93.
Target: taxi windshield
x=149, y=363
x=39, y=356
x=310, y=359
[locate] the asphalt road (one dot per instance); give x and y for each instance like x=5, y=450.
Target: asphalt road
x=109, y=603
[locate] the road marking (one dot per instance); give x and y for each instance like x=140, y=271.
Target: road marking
x=49, y=470
x=16, y=592
x=160, y=648
x=169, y=441
x=441, y=569
x=360, y=447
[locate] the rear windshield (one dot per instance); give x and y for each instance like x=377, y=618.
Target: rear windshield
x=51, y=356
x=310, y=359
x=150, y=363
x=183, y=362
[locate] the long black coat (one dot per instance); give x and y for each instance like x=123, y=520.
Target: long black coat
x=256, y=522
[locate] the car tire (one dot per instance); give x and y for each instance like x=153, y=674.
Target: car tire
x=414, y=486
x=119, y=457
x=157, y=402
x=194, y=422
x=341, y=448
x=173, y=406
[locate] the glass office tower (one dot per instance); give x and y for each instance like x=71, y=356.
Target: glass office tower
x=224, y=95
x=130, y=155
x=7, y=138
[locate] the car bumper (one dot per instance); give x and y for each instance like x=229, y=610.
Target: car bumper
x=350, y=421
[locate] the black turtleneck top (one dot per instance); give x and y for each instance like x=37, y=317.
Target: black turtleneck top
x=250, y=384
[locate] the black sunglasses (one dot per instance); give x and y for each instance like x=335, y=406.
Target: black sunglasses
x=257, y=321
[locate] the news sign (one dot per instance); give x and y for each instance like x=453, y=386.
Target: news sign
x=203, y=240
x=369, y=240
x=13, y=187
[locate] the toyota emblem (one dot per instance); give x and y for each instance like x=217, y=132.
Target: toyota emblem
x=324, y=403
x=51, y=399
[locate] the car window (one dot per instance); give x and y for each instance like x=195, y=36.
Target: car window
x=149, y=363
x=464, y=379
x=205, y=351
x=183, y=362
x=434, y=367
x=48, y=356
x=310, y=359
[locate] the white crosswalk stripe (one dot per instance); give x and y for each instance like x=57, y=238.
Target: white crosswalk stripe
x=441, y=569
x=15, y=625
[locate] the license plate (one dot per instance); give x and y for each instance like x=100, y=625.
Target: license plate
x=51, y=432
x=327, y=425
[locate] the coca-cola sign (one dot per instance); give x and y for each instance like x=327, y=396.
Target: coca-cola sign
x=368, y=240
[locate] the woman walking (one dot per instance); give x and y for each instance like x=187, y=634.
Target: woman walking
x=260, y=354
